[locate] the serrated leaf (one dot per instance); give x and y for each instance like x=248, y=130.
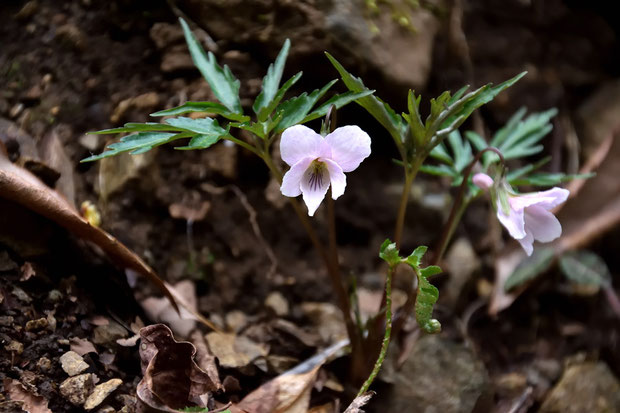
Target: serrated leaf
x=585, y=268
x=338, y=101
x=259, y=129
x=271, y=81
x=221, y=80
x=206, y=107
x=417, y=128
x=138, y=143
x=380, y=110
x=416, y=256
x=267, y=110
x=138, y=127
x=473, y=100
x=389, y=253
x=294, y=110
x=531, y=267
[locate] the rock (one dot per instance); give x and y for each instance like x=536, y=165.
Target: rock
x=166, y=34
x=585, y=387
x=72, y=363
x=462, y=262
x=101, y=391
x=6, y=320
x=27, y=11
x=14, y=346
x=38, y=324
x=76, y=389
x=277, y=303
x=21, y=295
x=6, y=263
x=510, y=384
x=44, y=364
x=90, y=142
x=141, y=102
x=109, y=333
x=72, y=36
x=379, y=42
x=440, y=376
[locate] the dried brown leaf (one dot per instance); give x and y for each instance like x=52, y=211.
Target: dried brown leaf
x=20, y=186
x=32, y=403
x=287, y=393
x=358, y=402
x=82, y=346
x=171, y=376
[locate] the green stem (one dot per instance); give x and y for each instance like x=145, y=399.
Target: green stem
x=387, y=335
x=459, y=206
x=244, y=145
x=410, y=174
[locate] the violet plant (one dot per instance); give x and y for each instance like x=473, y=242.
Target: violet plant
x=318, y=163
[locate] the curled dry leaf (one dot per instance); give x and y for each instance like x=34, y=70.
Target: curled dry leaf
x=358, y=402
x=172, y=379
x=287, y=393
x=31, y=403
x=20, y=186
x=592, y=210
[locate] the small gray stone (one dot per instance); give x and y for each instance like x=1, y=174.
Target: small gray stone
x=109, y=333
x=277, y=303
x=72, y=363
x=76, y=389
x=440, y=376
x=585, y=387
x=101, y=391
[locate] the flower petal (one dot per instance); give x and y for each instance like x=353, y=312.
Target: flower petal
x=513, y=222
x=482, y=181
x=545, y=199
x=527, y=243
x=350, y=146
x=299, y=142
x=337, y=178
x=542, y=224
x=291, y=182
x=314, y=186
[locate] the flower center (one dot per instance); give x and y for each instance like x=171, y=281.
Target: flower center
x=316, y=170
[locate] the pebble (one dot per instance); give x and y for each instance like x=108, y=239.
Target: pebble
x=277, y=303
x=76, y=389
x=38, y=324
x=6, y=320
x=101, y=391
x=585, y=387
x=72, y=363
x=15, y=346
x=44, y=364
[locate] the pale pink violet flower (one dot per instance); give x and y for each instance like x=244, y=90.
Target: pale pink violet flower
x=527, y=217
x=317, y=162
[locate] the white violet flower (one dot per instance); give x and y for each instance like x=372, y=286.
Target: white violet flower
x=527, y=217
x=317, y=162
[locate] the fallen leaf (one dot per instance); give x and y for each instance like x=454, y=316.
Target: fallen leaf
x=204, y=358
x=27, y=271
x=54, y=155
x=358, y=402
x=234, y=351
x=32, y=403
x=82, y=346
x=287, y=393
x=20, y=186
x=172, y=379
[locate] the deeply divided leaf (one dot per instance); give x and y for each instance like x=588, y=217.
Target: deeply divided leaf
x=137, y=143
x=271, y=81
x=389, y=253
x=427, y=293
x=380, y=110
x=205, y=107
x=223, y=84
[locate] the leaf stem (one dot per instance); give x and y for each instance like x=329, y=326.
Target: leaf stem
x=244, y=145
x=387, y=335
x=410, y=174
x=459, y=206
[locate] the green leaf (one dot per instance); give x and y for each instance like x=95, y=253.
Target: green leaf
x=380, y=110
x=259, y=129
x=585, y=268
x=476, y=140
x=206, y=107
x=207, y=126
x=139, y=127
x=200, y=142
x=416, y=256
x=440, y=153
x=389, y=253
x=531, y=267
x=439, y=170
x=548, y=179
x=138, y=143
x=427, y=293
x=461, y=149
x=338, y=101
x=267, y=110
x=271, y=81
x=223, y=84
